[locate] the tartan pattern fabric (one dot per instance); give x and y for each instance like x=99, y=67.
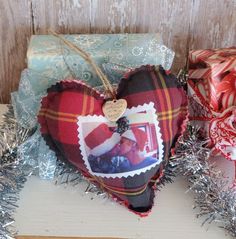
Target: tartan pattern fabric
x=69, y=99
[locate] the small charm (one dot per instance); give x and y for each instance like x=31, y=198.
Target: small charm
x=114, y=109
x=122, y=125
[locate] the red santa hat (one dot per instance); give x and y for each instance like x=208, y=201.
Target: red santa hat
x=137, y=135
x=101, y=140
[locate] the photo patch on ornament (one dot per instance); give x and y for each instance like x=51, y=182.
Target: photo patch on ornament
x=127, y=147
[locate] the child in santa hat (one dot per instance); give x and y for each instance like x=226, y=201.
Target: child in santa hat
x=132, y=146
x=104, y=148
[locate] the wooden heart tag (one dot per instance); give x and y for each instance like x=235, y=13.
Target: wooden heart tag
x=114, y=109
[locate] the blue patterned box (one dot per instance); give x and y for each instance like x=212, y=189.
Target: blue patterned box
x=48, y=56
x=50, y=60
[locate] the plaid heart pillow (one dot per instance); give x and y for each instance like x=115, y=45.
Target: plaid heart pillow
x=125, y=158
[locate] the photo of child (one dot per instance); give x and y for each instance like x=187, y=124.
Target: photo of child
x=105, y=146
x=132, y=146
x=109, y=153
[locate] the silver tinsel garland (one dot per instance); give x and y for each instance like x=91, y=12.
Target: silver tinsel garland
x=13, y=172
x=212, y=196
x=67, y=174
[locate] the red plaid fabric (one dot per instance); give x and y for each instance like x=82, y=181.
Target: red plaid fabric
x=69, y=99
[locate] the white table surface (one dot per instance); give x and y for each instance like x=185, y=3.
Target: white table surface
x=49, y=210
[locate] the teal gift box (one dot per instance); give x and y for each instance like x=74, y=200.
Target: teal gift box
x=50, y=60
x=49, y=56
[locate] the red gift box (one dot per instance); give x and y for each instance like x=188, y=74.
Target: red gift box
x=212, y=96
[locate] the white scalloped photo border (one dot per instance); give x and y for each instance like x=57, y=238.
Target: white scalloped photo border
x=99, y=118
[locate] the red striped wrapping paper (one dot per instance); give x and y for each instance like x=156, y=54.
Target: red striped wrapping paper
x=212, y=96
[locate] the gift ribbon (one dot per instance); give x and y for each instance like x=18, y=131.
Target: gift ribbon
x=214, y=72
x=106, y=83
x=212, y=83
x=222, y=126
x=222, y=131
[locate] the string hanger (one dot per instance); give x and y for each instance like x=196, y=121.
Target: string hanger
x=106, y=83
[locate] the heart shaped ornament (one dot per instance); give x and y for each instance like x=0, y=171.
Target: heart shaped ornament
x=114, y=109
x=125, y=156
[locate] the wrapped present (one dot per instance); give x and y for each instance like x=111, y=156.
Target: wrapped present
x=212, y=96
x=48, y=56
x=49, y=61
